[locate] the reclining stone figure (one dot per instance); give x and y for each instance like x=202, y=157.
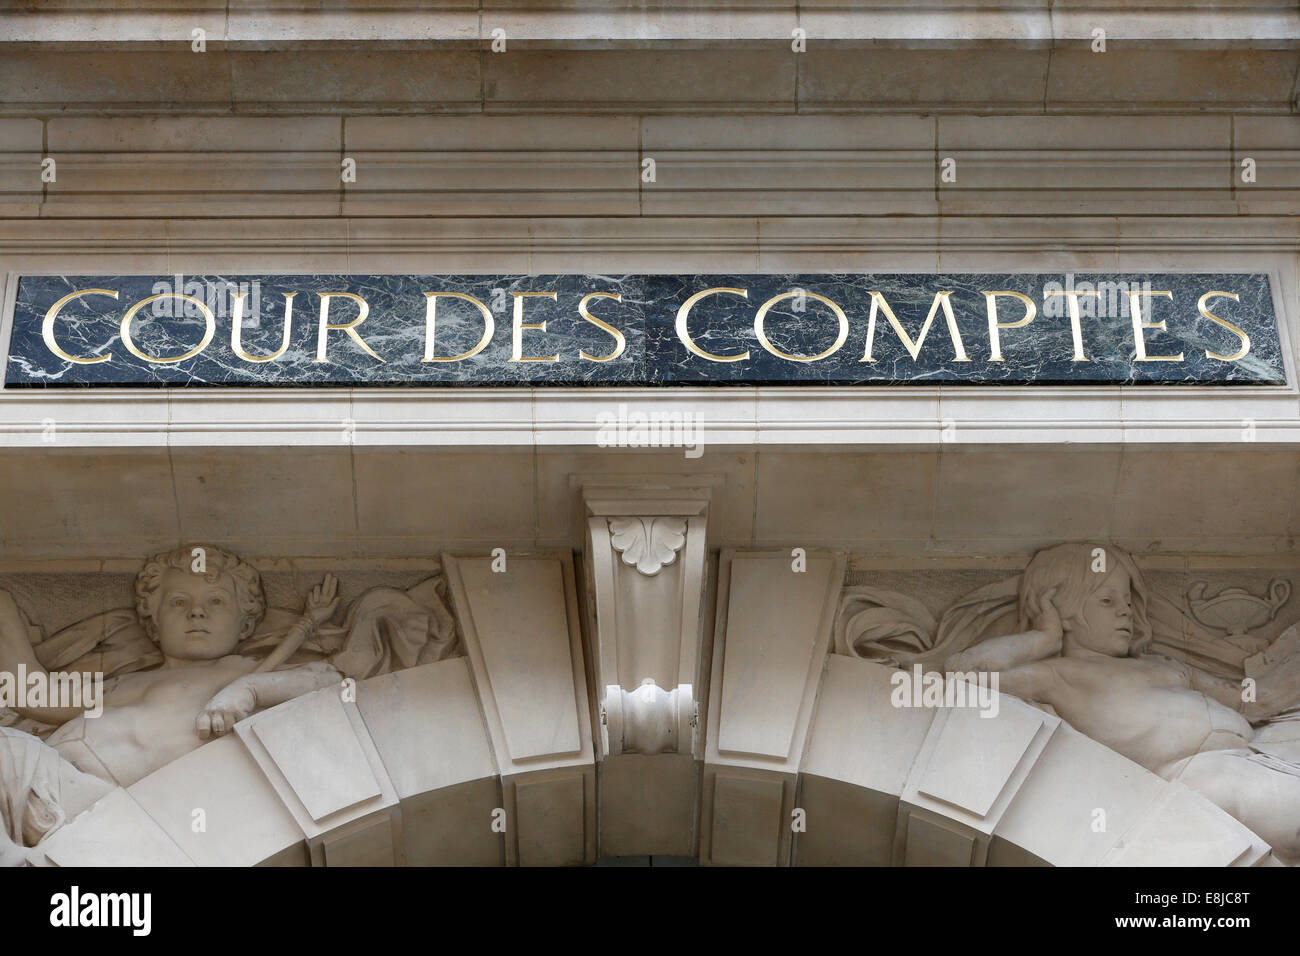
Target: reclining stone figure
x=1083, y=647
x=202, y=617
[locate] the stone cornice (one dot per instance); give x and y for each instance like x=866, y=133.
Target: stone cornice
x=515, y=167
x=536, y=245
x=409, y=24
x=734, y=418
x=1203, y=73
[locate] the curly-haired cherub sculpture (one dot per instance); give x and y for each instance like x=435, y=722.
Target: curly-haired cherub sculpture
x=1080, y=650
x=197, y=619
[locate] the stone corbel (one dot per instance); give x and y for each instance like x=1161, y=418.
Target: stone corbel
x=646, y=557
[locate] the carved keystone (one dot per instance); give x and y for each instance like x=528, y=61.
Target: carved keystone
x=645, y=565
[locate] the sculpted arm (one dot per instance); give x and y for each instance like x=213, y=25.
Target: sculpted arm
x=1276, y=676
x=1005, y=653
x=1013, y=650
x=1276, y=673
x=16, y=649
x=1038, y=681
x=267, y=687
x=255, y=692
x=1225, y=691
x=278, y=686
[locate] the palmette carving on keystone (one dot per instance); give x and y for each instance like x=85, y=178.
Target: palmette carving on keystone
x=1081, y=634
x=647, y=544
x=199, y=652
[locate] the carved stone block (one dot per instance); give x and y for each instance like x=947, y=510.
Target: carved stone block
x=244, y=823
x=771, y=638
x=522, y=634
x=426, y=725
x=118, y=829
x=317, y=754
x=1180, y=828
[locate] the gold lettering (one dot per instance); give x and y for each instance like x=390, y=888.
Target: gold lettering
x=914, y=348
x=1072, y=298
x=209, y=322
x=237, y=322
x=1139, y=343
x=762, y=336
x=349, y=327
x=1240, y=333
x=517, y=332
x=618, y=336
x=47, y=327
x=991, y=303
x=684, y=313
x=430, y=315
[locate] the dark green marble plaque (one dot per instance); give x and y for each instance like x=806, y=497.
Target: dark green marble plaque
x=898, y=329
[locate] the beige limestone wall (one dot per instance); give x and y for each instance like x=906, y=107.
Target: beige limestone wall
x=918, y=504
x=171, y=160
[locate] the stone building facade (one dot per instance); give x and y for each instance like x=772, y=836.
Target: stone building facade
x=659, y=644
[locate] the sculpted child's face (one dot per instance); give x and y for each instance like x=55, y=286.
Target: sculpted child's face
x=1104, y=624
x=197, y=619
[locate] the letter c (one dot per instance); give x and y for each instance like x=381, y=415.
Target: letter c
x=47, y=327
x=685, y=335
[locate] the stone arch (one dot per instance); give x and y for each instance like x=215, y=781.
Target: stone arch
x=491, y=759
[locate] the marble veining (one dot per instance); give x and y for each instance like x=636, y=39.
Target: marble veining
x=723, y=324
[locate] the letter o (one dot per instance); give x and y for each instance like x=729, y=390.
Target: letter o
x=762, y=336
x=209, y=319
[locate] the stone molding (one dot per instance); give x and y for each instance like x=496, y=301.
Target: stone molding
x=739, y=417
x=576, y=25
x=535, y=244
x=577, y=167
x=743, y=418
x=1245, y=65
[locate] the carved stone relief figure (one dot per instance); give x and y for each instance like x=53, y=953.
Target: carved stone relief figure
x=1081, y=633
x=199, y=651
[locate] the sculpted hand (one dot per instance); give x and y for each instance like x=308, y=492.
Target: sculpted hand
x=227, y=707
x=323, y=600
x=1045, y=617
